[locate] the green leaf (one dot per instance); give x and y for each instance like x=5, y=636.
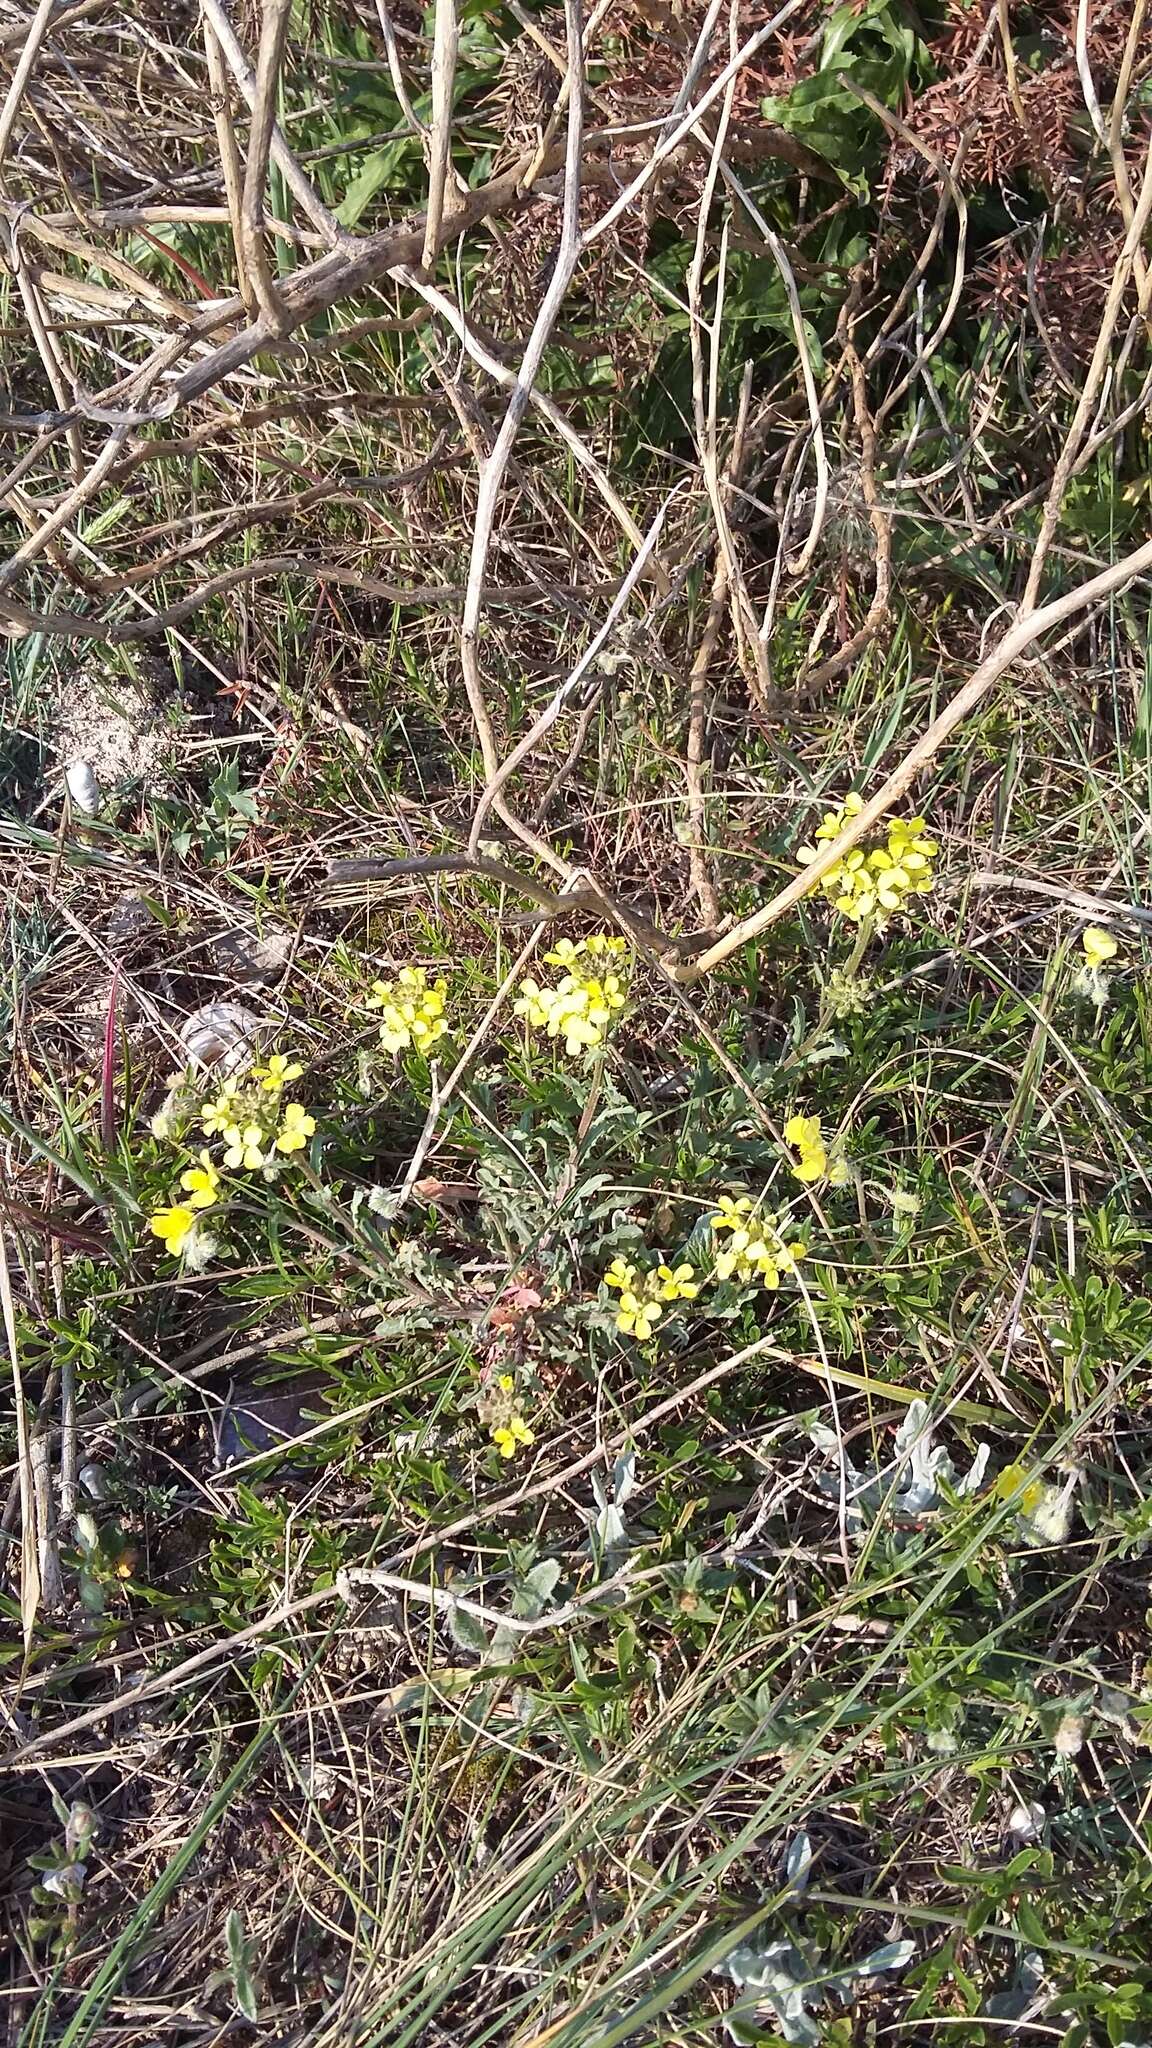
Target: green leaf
x=536, y=1589
x=1030, y=1924
x=467, y=1633
x=880, y=52
x=372, y=175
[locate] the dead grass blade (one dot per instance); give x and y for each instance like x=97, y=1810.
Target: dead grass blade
x=31, y=1585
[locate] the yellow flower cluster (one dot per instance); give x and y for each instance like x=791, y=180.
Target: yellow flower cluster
x=254, y=1124
x=250, y=1117
x=582, y=1004
x=755, y=1251
x=804, y=1133
x=510, y=1433
x=643, y=1295
x=411, y=1013
x=874, y=882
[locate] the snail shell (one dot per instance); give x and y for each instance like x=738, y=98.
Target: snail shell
x=221, y=1034
x=83, y=787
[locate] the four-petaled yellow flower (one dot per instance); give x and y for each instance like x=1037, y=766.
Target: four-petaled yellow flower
x=637, y=1317
x=219, y=1115
x=733, y=1210
x=511, y=1436
x=620, y=1274
x=533, y=1005
x=245, y=1145
x=278, y=1072
x=676, y=1283
x=296, y=1128
x=174, y=1226
x=1099, y=945
x=816, y=1163
x=201, y=1183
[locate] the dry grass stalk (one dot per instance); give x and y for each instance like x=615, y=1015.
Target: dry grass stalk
x=445, y=44
x=273, y=38
x=31, y=1534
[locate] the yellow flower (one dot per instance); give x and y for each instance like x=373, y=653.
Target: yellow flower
x=637, y=1318
x=534, y=1004
x=727, y=1263
x=245, y=1145
x=569, y=1016
x=746, y=1255
x=201, y=1183
x=875, y=882
x=411, y=1013
x=910, y=849
x=676, y=1283
x=833, y=822
x=174, y=1226
x=733, y=1210
x=506, y=1383
x=756, y=1254
x=217, y=1116
x=581, y=1006
x=1098, y=945
x=803, y=1132
x=296, y=1128
x=764, y=1265
x=278, y=1072
x=1014, y=1484
x=620, y=1274
x=509, y=1437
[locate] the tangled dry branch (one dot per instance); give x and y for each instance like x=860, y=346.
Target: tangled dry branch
x=122, y=345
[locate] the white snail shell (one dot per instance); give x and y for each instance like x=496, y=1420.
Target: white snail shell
x=83, y=787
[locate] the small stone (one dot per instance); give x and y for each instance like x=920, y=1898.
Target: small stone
x=253, y=957
x=130, y=918
x=92, y=1478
